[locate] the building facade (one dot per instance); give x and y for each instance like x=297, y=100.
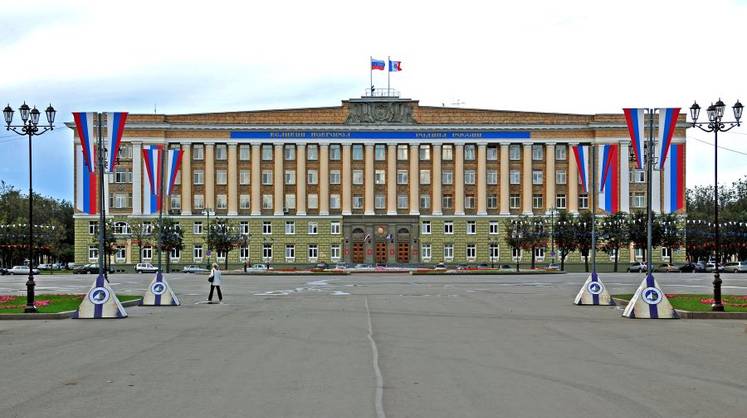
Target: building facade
x=375, y=180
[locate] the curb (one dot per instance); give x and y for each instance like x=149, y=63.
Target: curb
x=697, y=315
x=289, y=273
x=482, y=273
x=56, y=315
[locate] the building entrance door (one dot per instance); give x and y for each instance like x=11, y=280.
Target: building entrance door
x=381, y=253
x=357, y=253
x=403, y=252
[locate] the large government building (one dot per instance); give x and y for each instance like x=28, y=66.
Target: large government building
x=375, y=180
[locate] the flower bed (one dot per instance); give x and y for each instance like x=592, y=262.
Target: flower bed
x=47, y=303
x=702, y=303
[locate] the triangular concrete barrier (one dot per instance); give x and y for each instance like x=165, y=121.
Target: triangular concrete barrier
x=100, y=302
x=649, y=302
x=159, y=293
x=594, y=292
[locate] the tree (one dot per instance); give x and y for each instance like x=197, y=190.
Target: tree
x=638, y=232
x=140, y=236
x=223, y=237
x=699, y=241
x=583, y=236
x=537, y=236
x=518, y=235
x=171, y=238
x=615, y=234
x=110, y=240
x=565, y=236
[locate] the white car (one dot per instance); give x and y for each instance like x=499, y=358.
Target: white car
x=145, y=268
x=21, y=270
x=736, y=267
x=258, y=267
x=194, y=269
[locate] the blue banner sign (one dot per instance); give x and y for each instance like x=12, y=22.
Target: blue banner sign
x=332, y=135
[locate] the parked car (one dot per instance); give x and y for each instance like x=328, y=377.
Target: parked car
x=194, y=269
x=462, y=267
x=20, y=270
x=553, y=267
x=440, y=267
x=259, y=267
x=341, y=266
x=687, y=268
x=665, y=268
x=145, y=268
x=637, y=268
x=92, y=268
x=699, y=267
x=45, y=266
x=710, y=267
x=507, y=267
x=3, y=271
x=361, y=266
x=320, y=267
x=736, y=267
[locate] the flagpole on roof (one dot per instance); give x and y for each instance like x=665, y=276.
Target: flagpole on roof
x=370, y=72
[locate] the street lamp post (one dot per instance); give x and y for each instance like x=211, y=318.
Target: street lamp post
x=29, y=127
x=715, y=124
x=207, y=213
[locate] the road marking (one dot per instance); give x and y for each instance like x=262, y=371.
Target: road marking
x=379, y=379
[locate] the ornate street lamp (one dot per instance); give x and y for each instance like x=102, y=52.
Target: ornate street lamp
x=30, y=127
x=716, y=125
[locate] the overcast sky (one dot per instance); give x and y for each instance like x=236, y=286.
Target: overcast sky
x=200, y=56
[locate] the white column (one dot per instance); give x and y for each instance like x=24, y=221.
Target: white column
x=414, y=180
x=624, y=177
x=436, y=180
x=279, y=180
x=137, y=178
x=550, y=177
x=301, y=179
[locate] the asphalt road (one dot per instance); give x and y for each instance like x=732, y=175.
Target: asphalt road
x=373, y=345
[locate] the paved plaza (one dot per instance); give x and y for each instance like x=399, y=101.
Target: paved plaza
x=375, y=345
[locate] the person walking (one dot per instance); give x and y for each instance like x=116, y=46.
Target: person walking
x=216, y=280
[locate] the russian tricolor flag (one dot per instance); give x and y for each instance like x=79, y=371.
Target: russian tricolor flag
x=635, y=119
x=84, y=122
x=674, y=179
x=609, y=187
x=173, y=162
x=115, y=123
x=395, y=66
x=667, y=125
x=377, y=64
x=153, y=159
x=86, y=184
x=581, y=152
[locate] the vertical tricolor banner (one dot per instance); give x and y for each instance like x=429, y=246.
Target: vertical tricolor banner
x=674, y=179
x=153, y=164
x=609, y=184
x=582, y=154
x=667, y=125
x=86, y=184
x=84, y=122
x=635, y=119
x=173, y=164
x=115, y=123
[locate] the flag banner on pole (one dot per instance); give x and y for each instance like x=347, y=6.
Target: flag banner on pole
x=667, y=125
x=86, y=185
x=581, y=152
x=115, y=122
x=609, y=185
x=173, y=164
x=84, y=122
x=377, y=64
x=395, y=66
x=152, y=159
x=634, y=118
x=674, y=179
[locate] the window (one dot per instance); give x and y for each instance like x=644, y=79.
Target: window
x=244, y=227
x=313, y=201
x=147, y=228
x=335, y=152
x=402, y=202
x=492, y=201
x=469, y=176
x=221, y=255
x=425, y=227
x=312, y=152
x=380, y=177
x=198, y=201
x=357, y=202
x=514, y=152
x=561, y=177
x=290, y=252
x=358, y=152
x=493, y=228
x=638, y=253
x=267, y=177
x=221, y=153
x=469, y=201
x=334, y=201
x=357, y=176
x=120, y=253
x=446, y=201
x=245, y=152
x=637, y=199
x=380, y=152
x=516, y=254
x=425, y=201
x=334, y=251
x=266, y=252
x=334, y=228
x=561, y=152
x=514, y=201
x=448, y=227
x=290, y=177
x=175, y=254
x=538, y=152
x=379, y=201
x=447, y=177
x=493, y=252
x=198, y=177
x=122, y=200
x=147, y=253
x=469, y=152
x=492, y=177
x=221, y=177
x=401, y=176
x=197, y=228
x=560, y=201
x=290, y=227
x=176, y=201
x=537, y=177
x=514, y=177
x=221, y=202
x=123, y=175
x=492, y=153
x=243, y=253
x=313, y=252
x=244, y=177
x=471, y=252
x=425, y=176
x=290, y=201
x=539, y=254
x=537, y=201
x=402, y=152
x=447, y=152
x=424, y=152
x=334, y=177
x=313, y=228
x=583, y=201
x=266, y=152
x=266, y=201
x=244, y=201
x=637, y=176
x=448, y=252
x=197, y=253
x=471, y=227
x=266, y=228
x=289, y=152
x=425, y=252
x=198, y=152
x=93, y=252
x=312, y=177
